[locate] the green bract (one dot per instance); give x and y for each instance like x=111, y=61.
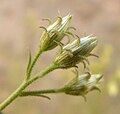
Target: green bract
x=52, y=35
x=76, y=52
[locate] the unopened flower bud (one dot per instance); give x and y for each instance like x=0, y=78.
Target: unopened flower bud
x=52, y=35
x=82, y=46
x=76, y=52
x=83, y=84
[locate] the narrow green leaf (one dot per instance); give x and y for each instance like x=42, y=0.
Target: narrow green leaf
x=29, y=60
x=36, y=95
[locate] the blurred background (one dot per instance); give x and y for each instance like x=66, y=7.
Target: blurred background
x=19, y=30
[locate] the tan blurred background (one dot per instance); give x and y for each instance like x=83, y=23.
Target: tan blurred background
x=19, y=22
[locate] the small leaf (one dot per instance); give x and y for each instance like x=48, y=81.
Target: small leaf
x=44, y=96
x=29, y=60
x=35, y=95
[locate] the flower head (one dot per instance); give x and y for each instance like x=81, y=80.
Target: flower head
x=76, y=52
x=83, y=84
x=52, y=35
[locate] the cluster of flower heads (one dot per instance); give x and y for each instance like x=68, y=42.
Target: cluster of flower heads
x=75, y=51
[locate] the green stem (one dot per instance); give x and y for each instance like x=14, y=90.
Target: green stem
x=43, y=73
x=18, y=91
x=39, y=92
x=13, y=96
x=37, y=55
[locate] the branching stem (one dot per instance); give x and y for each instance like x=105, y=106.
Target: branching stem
x=25, y=83
x=33, y=63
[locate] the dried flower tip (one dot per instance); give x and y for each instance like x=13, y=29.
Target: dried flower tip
x=54, y=33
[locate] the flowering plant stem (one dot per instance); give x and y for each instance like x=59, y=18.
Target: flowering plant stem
x=74, y=52
x=37, y=55
x=27, y=81
x=39, y=92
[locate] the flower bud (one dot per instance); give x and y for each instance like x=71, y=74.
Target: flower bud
x=52, y=35
x=76, y=52
x=82, y=46
x=83, y=84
